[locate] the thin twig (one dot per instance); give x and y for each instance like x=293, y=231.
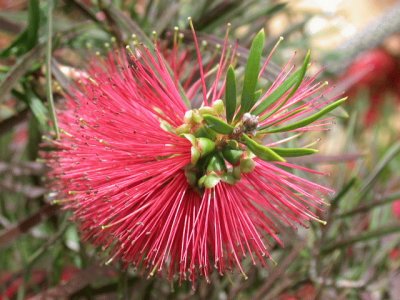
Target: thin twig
x=377, y=233
x=77, y=283
x=367, y=207
x=19, y=69
x=24, y=226
x=326, y=159
x=393, y=151
x=49, y=88
x=279, y=271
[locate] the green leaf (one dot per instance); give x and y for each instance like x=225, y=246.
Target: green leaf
x=251, y=74
x=302, y=73
x=37, y=107
x=49, y=49
x=310, y=119
x=293, y=152
x=230, y=94
x=262, y=129
x=218, y=125
x=261, y=151
x=34, y=22
x=360, y=237
x=294, y=80
x=29, y=37
x=257, y=94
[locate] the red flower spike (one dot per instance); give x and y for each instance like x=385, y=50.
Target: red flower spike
x=124, y=163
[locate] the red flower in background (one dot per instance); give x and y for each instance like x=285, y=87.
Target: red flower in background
x=184, y=186
x=396, y=208
x=381, y=76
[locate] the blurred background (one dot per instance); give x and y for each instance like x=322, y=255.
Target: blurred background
x=356, y=43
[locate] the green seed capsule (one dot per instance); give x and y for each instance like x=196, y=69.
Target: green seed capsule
x=195, y=155
x=191, y=177
x=229, y=178
x=216, y=164
x=205, y=146
x=247, y=165
x=232, y=156
x=211, y=181
x=233, y=144
x=205, y=132
x=206, y=110
x=218, y=106
x=237, y=172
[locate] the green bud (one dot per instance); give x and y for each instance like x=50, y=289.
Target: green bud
x=188, y=116
x=237, y=172
x=211, y=181
x=229, y=178
x=233, y=144
x=216, y=164
x=247, y=165
x=205, y=132
x=205, y=146
x=195, y=155
x=184, y=128
x=200, y=146
x=219, y=106
x=201, y=180
x=192, y=117
x=232, y=156
x=206, y=110
x=190, y=137
x=197, y=118
x=191, y=177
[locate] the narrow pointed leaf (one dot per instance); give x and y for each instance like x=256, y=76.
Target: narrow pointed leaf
x=302, y=73
x=230, y=94
x=264, y=129
x=293, y=152
x=251, y=73
x=218, y=125
x=310, y=119
x=293, y=80
x=261, y=151
x=29, y=37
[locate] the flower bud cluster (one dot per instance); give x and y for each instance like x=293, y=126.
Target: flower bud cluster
x=216, y=154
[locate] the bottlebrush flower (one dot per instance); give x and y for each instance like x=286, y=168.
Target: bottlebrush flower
x=169, y=177
x=381, y=76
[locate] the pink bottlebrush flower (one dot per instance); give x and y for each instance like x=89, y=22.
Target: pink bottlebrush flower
x=172, y=179
x=396, y=208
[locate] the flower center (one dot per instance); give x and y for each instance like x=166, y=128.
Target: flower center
x=217, y=153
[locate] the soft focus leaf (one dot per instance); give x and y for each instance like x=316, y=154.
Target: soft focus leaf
x=218, y=125
x=310, y=119
x=18, y=70
x=37, y=107
x=230, y=94
x=261, y=151
x=363, y=237
x=294, y=80
x=251, y=74
x=293, y=152
x=29, y=37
